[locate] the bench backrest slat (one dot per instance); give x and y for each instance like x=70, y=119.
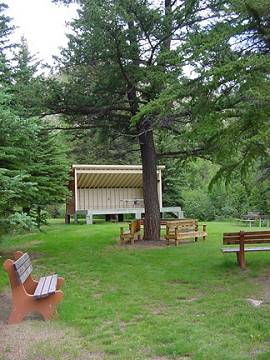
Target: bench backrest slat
x=181, y=222
x=182, y=225
x=135, y=226
x=248, y=233
x=256, y=237
x=23, y=268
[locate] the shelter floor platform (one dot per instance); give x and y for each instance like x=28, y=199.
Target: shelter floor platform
x=136, y=211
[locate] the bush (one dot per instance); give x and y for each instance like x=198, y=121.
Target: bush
x=21, y=221
x=197, y=204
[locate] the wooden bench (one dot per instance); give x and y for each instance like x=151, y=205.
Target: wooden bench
x=243, y=238
x=181, y=229
x=29, y=295
x=134, y=232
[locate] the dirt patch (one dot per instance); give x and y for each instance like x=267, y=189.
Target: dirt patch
x=5, y=306
x=254, y=302
x=264, y=281
x=178, y=282
x=35, y=339
x=7, y=254
x=152, y=244
x=98, y=295
x=158, y=309
x=10, y=254
x=122, y=326
x=187, y=299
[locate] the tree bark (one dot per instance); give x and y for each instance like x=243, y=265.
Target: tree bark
x=148, y=155
x=168, y=24
x=150, y=193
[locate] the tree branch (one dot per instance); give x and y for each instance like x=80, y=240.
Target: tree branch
x=172, y=154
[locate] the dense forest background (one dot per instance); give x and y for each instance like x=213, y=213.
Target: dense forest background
x=210, y=129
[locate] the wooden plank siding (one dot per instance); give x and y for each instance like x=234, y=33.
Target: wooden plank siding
x=101, y=187
x=107, y=198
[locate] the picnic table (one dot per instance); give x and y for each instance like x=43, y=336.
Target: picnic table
x=254, y=218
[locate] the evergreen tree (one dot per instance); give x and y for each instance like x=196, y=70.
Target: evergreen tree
x=6, y=46
x=14, y=139
x=46, y=159
x=121, y=69
x=48, y=168
x=118, y=61
x=28, y=85
x=33, y=162
x=225, y=106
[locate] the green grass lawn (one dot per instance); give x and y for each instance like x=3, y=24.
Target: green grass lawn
x=186, y=302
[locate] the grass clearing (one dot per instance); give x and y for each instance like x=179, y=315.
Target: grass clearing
x=186, y=302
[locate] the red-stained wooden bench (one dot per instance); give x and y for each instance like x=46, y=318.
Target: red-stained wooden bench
x=243, y=238
x=29, y=295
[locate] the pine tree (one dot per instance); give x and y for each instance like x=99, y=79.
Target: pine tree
x=6, y=46
x=33, y=162
x=28, y=85
x=14, y=139
x=46, y=155
x=118, y=61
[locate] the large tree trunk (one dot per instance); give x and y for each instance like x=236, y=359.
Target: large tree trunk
x=150, y=193
x=168, y=24
x=148, y=153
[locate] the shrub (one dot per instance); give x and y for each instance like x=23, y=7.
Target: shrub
x=20, y=221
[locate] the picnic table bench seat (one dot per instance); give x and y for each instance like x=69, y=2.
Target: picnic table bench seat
x=243, y=238
x=29, y=295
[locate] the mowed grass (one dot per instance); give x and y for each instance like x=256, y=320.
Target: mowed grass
x=186, y=302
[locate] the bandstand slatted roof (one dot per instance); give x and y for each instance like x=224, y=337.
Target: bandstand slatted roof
x=110, y=176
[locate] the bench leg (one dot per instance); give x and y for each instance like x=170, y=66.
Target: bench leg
x=242, y=262
x=60, y=282
x=241, y=259
x=46, y=307
x=16, y=316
